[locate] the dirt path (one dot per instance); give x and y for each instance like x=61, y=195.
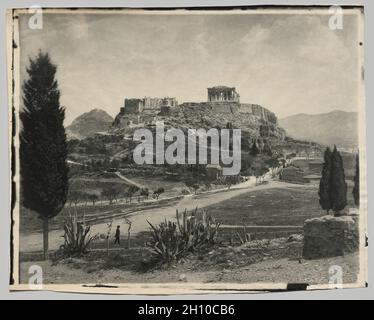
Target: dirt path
x=32, y=242
x=127, y=180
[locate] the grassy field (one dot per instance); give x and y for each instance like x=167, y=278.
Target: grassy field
x=289, y=206
x=273, y=207
x=96, y=182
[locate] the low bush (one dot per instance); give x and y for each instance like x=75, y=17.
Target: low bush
x=198, y=229
x=166, y=243
x=171, y=241
x=77, y=238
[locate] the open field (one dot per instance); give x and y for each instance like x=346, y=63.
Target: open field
x=273, y=207
x=288, y=206
x=95, y=182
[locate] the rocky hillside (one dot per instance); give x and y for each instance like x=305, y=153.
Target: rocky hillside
x=89, y=123
x=196, y=116
x=336, y=127
x=206, y=116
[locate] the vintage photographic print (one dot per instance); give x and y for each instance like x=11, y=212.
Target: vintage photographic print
x=187, y=150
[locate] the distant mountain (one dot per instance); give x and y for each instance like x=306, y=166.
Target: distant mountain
x=336, y=127
x=89, y=123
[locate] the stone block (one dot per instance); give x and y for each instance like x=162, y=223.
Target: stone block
x=330, y=236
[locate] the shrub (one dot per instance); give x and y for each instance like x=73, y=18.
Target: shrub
x=93, y=198
x=111, y=193
x=185, y=192
x=198, y=229
x=166, y=242
x=171, y=241
x=192, y=184
x=77, y=238
x=144, y=192
x=158, y=192
x=243, y=236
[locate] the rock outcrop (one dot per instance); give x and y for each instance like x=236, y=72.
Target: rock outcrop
x=330, y=236
x=257, y=121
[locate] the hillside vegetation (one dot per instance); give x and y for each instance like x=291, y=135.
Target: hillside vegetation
x=336, y=127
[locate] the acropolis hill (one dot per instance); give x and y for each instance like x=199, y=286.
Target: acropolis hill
x=223, y=106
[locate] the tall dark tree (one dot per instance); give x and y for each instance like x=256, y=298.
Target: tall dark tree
x=324, y=184
x=43, y=147
x=338, y=184
x=356, y=188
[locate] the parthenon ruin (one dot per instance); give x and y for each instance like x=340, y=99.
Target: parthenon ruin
x=222, y=94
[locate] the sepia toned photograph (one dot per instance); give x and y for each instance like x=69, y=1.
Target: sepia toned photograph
x=187, y=151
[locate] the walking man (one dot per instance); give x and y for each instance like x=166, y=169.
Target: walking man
x=117, y=236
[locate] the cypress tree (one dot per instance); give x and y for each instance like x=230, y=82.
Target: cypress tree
x=43, y=147
x=356, y=188
x=324, y=184
x=338, y=191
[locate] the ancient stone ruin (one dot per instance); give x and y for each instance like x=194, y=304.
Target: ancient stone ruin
x=223, y=94
x=330, y=236
x=221, y=100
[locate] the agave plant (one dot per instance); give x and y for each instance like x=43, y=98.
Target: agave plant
x=171, y=241
x=77, y=238
x=197, y=229
x=166, y=242
x=242, y=234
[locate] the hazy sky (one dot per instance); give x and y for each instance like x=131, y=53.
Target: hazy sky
x=288, y=63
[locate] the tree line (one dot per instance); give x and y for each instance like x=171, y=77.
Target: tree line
x=112, y=193
x=333, y=187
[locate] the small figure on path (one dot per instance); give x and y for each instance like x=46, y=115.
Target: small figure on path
x=117, y=236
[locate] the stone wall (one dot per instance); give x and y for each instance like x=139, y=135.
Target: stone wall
x=246, y=108
x=330, y=236
x=133, y=106
x=224, y=107
x=258, y=111
x=236, y=107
